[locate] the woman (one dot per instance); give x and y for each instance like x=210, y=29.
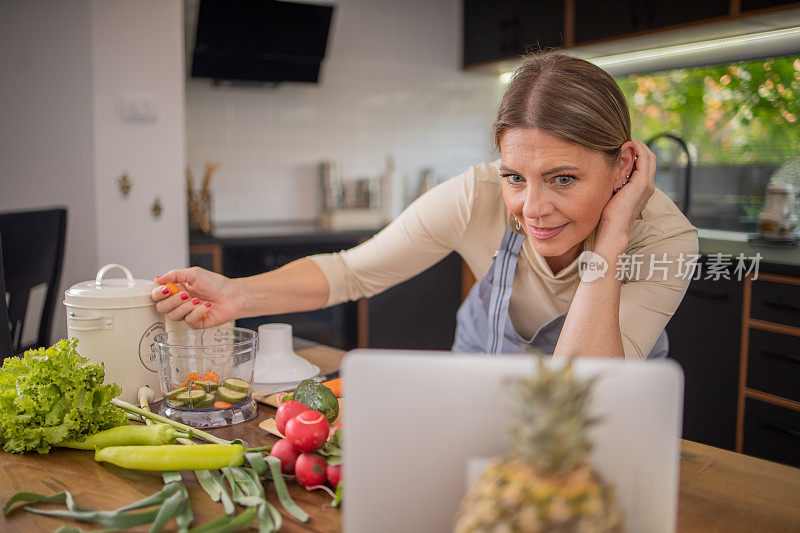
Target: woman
x=569, y=180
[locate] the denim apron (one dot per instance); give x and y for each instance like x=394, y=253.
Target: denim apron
x=483, y=324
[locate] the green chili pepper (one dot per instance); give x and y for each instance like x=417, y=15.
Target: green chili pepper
x=173, y=456
x=126, y=436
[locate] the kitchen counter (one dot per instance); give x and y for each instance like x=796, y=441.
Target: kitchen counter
x=279, y=235
x=719, y=490
x=105, y=487
x=777, y=258
x=711, y=241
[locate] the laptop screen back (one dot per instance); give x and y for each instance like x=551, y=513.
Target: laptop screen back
x=414, y=420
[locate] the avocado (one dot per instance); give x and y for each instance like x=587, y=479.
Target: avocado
x=317, y=397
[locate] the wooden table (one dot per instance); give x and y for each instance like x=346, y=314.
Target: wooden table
x=719, y=490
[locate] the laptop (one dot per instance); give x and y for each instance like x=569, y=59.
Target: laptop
x=416, y=421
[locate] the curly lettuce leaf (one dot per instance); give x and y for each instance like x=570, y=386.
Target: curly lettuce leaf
x=51, y=395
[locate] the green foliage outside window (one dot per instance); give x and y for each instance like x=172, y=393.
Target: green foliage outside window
x=745, y=112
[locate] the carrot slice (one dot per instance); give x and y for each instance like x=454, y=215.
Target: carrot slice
x=173, y=289
x=335, y=385
x=194, y=376
x=210, y=375
x=219, y=404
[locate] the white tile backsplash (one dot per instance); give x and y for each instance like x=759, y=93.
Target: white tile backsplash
x=391, y=84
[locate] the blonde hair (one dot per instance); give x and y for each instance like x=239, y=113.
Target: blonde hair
x=569, y=98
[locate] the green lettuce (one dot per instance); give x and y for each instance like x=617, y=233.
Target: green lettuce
x=52, y=395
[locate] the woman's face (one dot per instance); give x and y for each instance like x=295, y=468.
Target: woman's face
x=555, y=189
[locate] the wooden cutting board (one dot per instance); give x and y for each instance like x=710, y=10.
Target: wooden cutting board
x=272, y=399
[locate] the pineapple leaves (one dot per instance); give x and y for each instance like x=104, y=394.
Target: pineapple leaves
x=551, y=419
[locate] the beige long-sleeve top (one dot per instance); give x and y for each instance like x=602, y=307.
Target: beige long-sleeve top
x=467, y=214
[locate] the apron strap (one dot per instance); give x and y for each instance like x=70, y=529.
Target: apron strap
x=504, y=266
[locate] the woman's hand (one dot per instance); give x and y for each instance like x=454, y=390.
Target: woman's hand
x=627, y=204
x=205, y=299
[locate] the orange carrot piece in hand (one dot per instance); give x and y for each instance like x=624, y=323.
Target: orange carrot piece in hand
x=173, y=289
x=335, y=385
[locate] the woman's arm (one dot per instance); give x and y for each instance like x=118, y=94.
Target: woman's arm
x=208, y=299
x=422, y=235
x=592, y=327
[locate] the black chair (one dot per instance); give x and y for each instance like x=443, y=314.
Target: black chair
x=33, y=256
x=5, y=329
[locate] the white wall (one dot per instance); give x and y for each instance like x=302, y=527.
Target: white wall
x=65, y=65
x=46, y=139
x=391, y=83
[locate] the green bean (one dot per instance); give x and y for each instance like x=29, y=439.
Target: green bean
x=194, y=432
x=126, y=436
x=173, y=456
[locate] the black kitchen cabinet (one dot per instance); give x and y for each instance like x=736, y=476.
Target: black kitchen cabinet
x=704, y=337
x=498, y=29
x=769, y=397
x=618, y=18
x=753, y=5
x=772, y=432
x=417, y=314
x=334, y=326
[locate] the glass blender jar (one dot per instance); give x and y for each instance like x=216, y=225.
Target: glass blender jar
x=206, y=375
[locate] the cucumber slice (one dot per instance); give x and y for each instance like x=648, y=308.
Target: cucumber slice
x=174, y=393
x=205, y=402
x=175, y=403
x=236, y=384
x=191, y=398
x=231, y=396
x=207, y=384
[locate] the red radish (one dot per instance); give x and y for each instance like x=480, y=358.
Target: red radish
x=334, y=475
x=286, y=412
x=307, y=431
x=310, y=469
x=284, y=451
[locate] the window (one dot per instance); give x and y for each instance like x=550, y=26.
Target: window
x=740, y=121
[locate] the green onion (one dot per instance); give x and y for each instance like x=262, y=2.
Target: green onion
x=194, y=432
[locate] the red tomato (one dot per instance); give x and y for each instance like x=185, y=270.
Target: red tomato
x=334, y=475
x=284, y=451
x=286, y=412
x=308, y=431
x=310, y=469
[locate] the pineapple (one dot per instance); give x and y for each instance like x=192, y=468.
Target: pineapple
x=544, y=483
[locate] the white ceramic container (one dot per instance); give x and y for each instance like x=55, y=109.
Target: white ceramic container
x=115, y=322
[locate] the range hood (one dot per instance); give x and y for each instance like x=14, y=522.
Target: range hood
x=260, y=40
